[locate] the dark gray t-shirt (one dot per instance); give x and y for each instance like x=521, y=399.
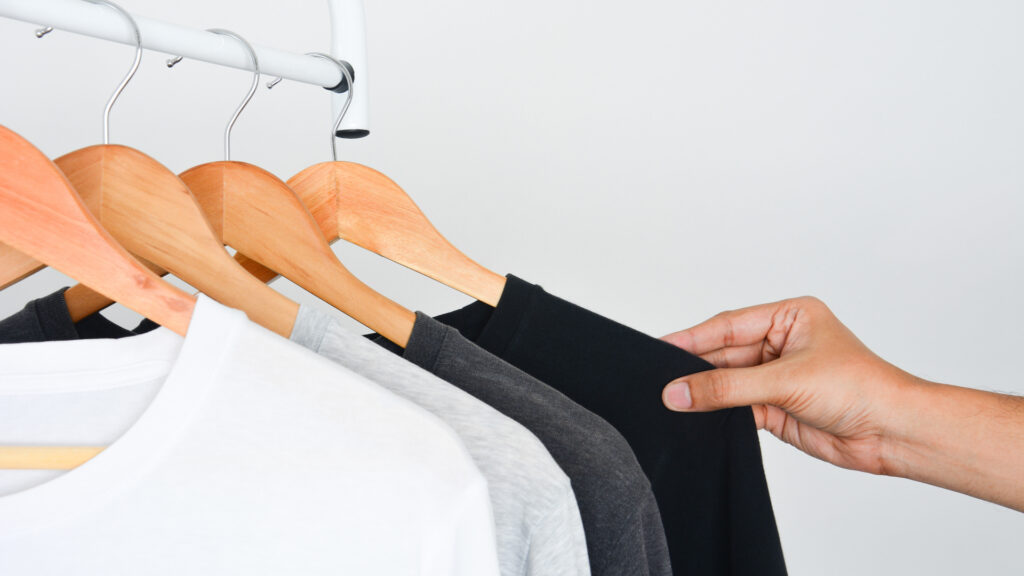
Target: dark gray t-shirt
x=620, y=515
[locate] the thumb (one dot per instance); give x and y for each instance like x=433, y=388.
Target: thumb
x=722, y=388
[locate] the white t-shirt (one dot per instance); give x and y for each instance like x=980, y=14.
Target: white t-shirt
x=537, y=520
x=231, y=451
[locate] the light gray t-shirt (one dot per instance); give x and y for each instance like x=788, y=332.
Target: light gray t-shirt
x=537, y=521
x=625, y=536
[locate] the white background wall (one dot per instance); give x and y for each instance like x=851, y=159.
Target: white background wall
x=657, y=162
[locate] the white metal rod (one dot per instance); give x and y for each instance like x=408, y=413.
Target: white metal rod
x=101, y=22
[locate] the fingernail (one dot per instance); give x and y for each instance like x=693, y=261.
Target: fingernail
x=677, y=396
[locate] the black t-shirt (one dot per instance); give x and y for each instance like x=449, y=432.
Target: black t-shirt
x=47, y=320
x=705, y=468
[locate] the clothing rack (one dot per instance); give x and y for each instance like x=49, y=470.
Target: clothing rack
x=348, y=43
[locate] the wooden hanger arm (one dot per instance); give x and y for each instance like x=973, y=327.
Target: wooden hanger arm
x=44, y=218
x=153, y=213
x=83, y=301
x=330, y=281
x=366, y=208
x=45, y=457
x=15, y=266
x=262, y=218
x=253, y=267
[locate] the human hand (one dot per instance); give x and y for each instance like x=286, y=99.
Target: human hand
x=810, y=381
x=813, y=384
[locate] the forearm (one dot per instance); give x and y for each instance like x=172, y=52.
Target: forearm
x=958, y=438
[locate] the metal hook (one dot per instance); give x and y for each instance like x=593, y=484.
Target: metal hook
x=252, y=89
x=346, y=79
x=131, y=73
x=346, y=74
x=348, y=99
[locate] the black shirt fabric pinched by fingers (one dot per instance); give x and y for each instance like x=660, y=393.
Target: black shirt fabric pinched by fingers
x=705, y=468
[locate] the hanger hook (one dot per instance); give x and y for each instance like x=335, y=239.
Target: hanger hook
x=347, y=75
x=252, y=89
x=131, y=73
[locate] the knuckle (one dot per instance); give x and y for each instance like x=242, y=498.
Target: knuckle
x=809, y=300
x=726, y=327
x=723, y=315
x=812, y=304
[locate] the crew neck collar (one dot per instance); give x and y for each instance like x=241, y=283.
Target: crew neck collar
x=190, y=366
x=510, y=316
x=426, y=342
x=47, y=319
x=310, y=327
x=495, y=329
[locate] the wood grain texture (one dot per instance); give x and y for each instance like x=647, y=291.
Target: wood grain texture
x=152, y=213
x=83, y=301
x=260, y=216
x=15, y=266
x=363, y=206
x=43, y=217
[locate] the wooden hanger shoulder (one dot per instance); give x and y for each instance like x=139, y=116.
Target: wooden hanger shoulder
x=365, y=207
x=44, y=218
x=15, y=266
x=153, y=213
x=262, y=218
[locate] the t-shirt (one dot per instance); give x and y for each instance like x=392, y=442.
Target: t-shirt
x=705, y=468
x=47, y=320
x=537, y=522
x=620, y=515
x=231, y=450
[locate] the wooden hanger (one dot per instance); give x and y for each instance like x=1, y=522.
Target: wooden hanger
x=363, y=206
x=42, y=216
x=155, y=216
x=161, y=221
x=359, y=204
x=258, y=215
x=261, y=218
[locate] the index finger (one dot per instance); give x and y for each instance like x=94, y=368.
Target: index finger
x=733, y=328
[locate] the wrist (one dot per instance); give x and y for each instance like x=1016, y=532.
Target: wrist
x=904, y=444
x=957, y=438
x=908, y=440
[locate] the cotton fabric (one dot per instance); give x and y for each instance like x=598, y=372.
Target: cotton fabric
x=537, y=521
x=224, y=457
x=705, y=468
x=620, y=515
